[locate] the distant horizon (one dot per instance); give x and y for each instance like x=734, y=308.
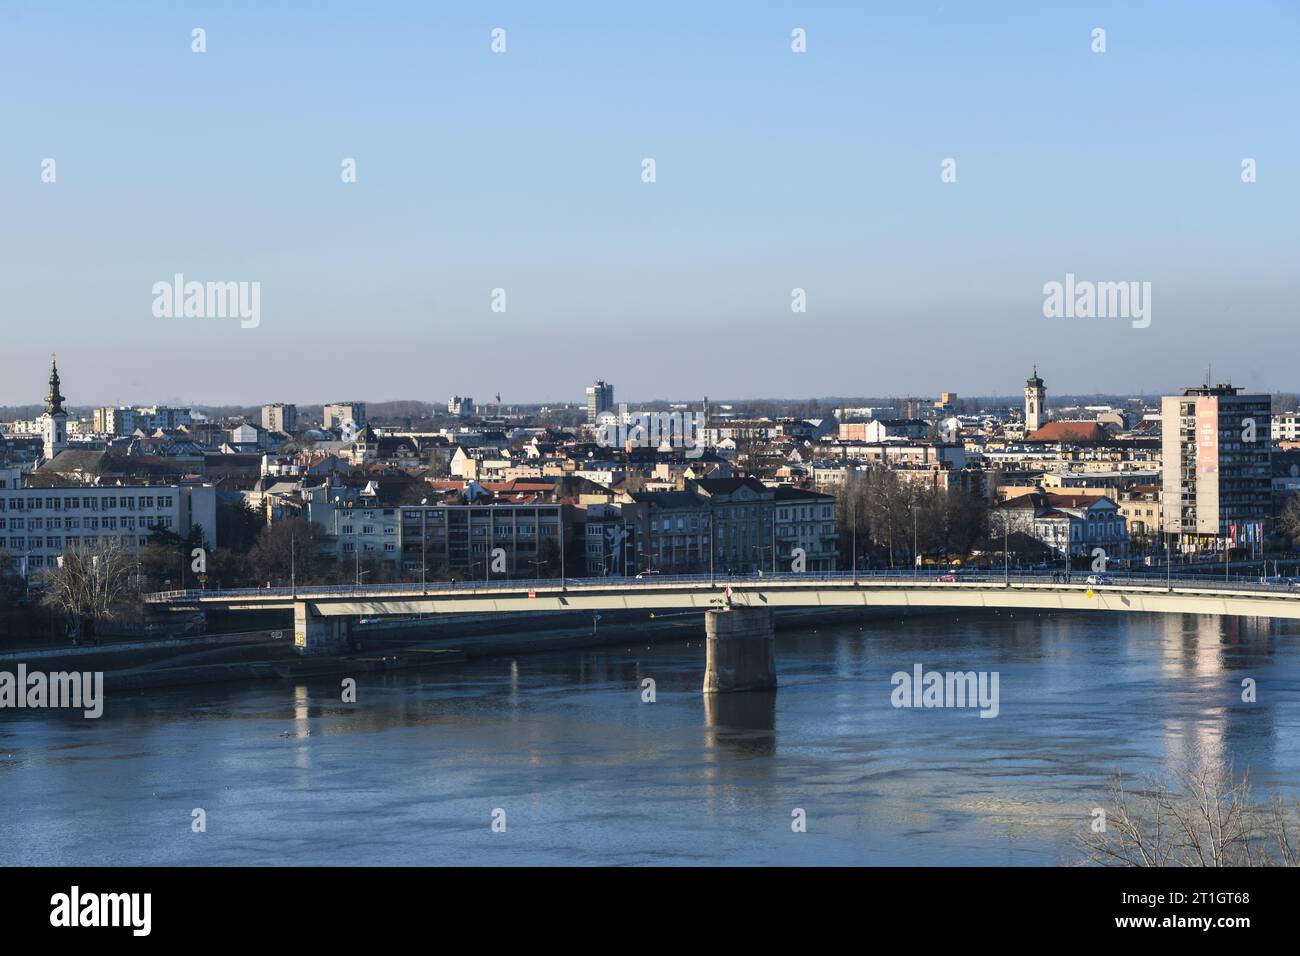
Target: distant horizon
x=482, y=409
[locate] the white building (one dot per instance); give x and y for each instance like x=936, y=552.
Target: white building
x=39, y=524
x=1067, y=523
x=1286, y=427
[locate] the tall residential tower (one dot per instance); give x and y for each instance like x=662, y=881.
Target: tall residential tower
x=600, y=398
x=1216, y=445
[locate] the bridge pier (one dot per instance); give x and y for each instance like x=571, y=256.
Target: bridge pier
x=741, y=644
x=314, y=634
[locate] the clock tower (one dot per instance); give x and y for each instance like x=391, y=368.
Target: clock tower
x=1035, y=403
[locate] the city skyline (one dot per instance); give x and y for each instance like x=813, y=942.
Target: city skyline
x=775, y=171
x=1012, y=395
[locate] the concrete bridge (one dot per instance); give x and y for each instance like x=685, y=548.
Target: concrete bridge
x=738, y=610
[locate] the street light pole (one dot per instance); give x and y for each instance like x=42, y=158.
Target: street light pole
x=712, y=541
x=772, y=527
x=916, y=564
x=1006, y=550
x=853, y=511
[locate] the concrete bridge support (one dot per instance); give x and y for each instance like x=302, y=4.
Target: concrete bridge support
x=741, y=644
x=313, y=634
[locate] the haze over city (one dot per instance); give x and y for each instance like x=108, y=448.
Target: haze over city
x=523, y=171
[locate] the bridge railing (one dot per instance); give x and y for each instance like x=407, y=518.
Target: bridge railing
x=918, y=577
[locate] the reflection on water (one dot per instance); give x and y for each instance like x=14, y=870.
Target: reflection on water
x=745, y=723
x=589, y=773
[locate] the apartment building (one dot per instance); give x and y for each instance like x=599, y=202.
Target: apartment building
x=610, y=539
x=337, y=413
x=805, y=524
x=671, y=532
x=362, y=529
x=1286, y=427
x=600, y=398
x=280, y=417
x=37, y=524
x=1217, y=476
x=1141, y=507
x=463, y=539
x=743, y=519
x=125, y=420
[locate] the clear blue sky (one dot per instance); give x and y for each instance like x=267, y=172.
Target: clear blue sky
x=522, y=171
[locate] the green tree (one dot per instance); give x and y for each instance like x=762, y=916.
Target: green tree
x=1289, y=520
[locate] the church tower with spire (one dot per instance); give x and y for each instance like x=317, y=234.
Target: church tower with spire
x=54, y=423
x=1035, y=403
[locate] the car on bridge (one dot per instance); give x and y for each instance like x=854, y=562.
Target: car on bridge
x=1099, y=579
x=1280, y=581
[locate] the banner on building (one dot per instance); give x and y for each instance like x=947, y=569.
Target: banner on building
x=1207, y=436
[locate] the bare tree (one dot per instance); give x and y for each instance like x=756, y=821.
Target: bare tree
x=92, y=584
x=1205, y=817
x=291, y=550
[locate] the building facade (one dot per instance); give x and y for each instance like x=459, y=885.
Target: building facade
x=805, y=527
x=600, y=398
x=1078, y=525
x=126, y=420
x=1217, y=477
x=280, y=417
x=481, y=541
x=337, y=413
x=38, y=524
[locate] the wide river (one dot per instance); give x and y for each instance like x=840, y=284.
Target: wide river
x=583, y=771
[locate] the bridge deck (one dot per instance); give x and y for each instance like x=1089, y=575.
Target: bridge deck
x=1183, y=594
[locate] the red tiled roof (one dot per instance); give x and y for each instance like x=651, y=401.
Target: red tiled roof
x=1077, y=432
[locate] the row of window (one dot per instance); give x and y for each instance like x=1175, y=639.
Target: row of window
x=59, y=542
x=349, y=549
x=104, y=503
x=804, y=511
x=90, y=523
